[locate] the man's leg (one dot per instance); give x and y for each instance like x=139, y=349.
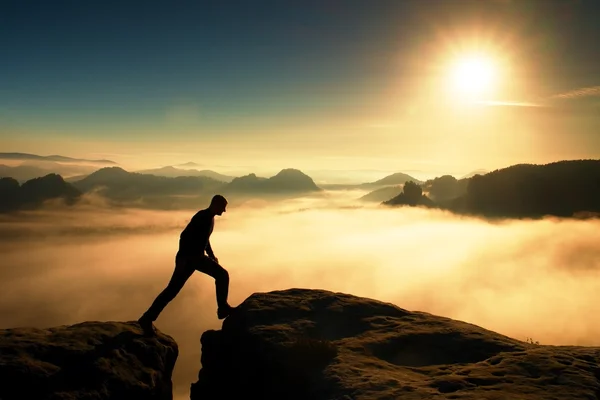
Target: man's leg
x=212, y=268
x=183, y=270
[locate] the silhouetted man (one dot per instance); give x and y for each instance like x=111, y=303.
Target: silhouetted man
x=193, y=243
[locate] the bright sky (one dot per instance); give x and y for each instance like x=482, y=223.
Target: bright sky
x=430, y=85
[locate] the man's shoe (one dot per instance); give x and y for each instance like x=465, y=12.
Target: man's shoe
x=146, y=326
x=223, y=312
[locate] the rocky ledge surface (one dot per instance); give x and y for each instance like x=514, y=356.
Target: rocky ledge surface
x=298, y=344
x=86, y=361
x=315, y=344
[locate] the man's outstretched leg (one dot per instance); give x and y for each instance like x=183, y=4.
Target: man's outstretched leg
x=212, y=268
x=183, y=270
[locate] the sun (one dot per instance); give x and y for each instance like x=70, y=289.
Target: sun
x=473, y=77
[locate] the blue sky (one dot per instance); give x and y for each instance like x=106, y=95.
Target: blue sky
x=99, y=59
x=286, y=72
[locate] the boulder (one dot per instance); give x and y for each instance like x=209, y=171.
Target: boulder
x=316, y=344
x=86, y=361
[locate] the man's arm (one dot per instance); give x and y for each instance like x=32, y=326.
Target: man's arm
x=209, y=250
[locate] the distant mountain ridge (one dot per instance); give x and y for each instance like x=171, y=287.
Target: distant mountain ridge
x=395, y=179
x=34, y=192
x=569, y=188
x=153, y=191
x=564, y=189
x=471, y=174
x=382, y=194
x=288, y=180
x=31, y=169
x=399, y=178
x=119, y=184
x=189, y=164
x=23, y=173
x=136, y=189
x=172, y=172
x=27, y=156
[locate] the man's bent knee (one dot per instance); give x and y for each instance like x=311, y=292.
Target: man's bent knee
x=222, y=274
x=211, y=267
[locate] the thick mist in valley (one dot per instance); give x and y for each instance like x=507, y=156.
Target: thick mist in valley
x=537, y=279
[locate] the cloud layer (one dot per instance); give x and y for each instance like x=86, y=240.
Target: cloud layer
x=538, y=279
x=582, y=92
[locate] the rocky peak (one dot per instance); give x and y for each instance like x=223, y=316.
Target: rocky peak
x=290, y=178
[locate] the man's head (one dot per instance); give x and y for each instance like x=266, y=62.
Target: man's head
x=218, y=204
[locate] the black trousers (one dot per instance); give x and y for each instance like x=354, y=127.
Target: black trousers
x=185, y=265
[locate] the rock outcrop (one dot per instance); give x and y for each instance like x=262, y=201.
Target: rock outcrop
x=403, y=200
x=315, y=344
x=86, y=361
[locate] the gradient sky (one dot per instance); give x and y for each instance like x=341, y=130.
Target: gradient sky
x=310, y=84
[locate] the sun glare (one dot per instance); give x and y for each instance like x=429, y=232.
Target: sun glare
x=473, y=77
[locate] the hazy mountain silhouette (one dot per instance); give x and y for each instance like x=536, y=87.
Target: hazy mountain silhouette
x=287, y=181
x=445, y=188
x=120, y=185
x=105, y=176
x=146, y=190
x=412, y=195
x=398, y=178
x=562, y=189
x=77, y=178
x=382, y=194
x=189, y=164
x=36, y=169
x=291, y=179
x=475, y=172
x=21, y=173
x=26, y=156
x=246, y=183
x=35, y=192
x=172, y=172
x=10, y=194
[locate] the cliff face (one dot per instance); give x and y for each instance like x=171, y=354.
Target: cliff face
x=91, y=360
x=301, y=344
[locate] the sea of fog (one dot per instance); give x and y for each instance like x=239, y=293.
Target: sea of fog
x=525, y=279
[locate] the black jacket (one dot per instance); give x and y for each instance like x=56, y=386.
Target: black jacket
x=195, y=238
